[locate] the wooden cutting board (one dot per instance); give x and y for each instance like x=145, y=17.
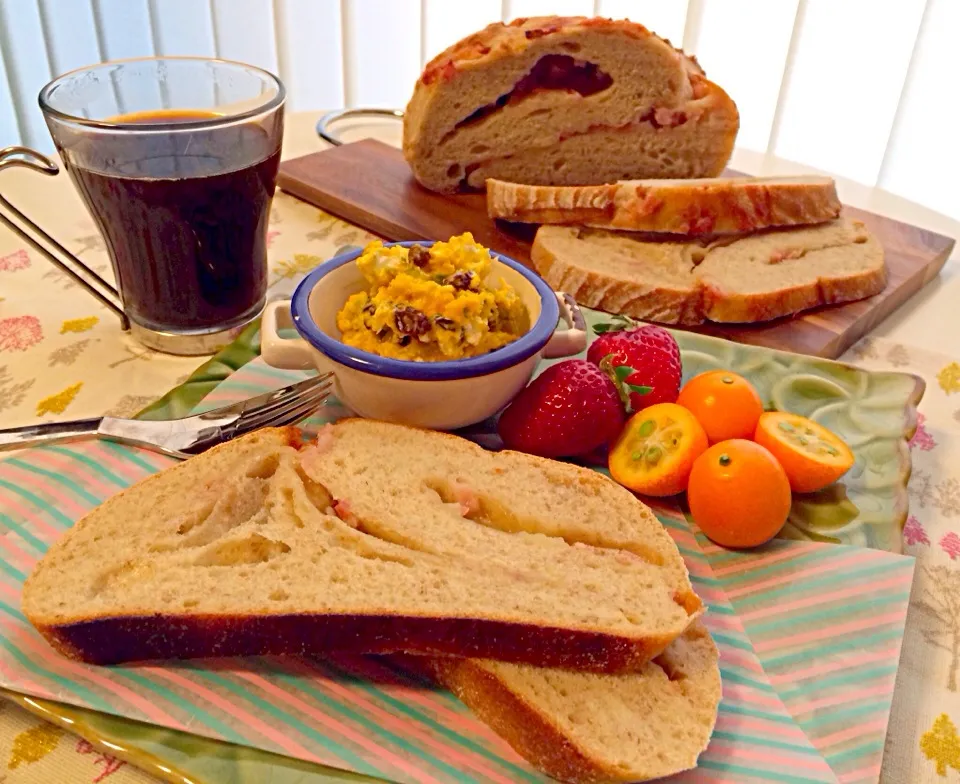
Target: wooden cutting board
x=369, y=184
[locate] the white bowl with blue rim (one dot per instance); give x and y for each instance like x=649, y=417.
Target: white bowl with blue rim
x=437, y=395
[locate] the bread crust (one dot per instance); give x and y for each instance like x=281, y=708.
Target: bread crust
x=110, y=640
x=732, y=205
x=702, y=298
x=498, y=43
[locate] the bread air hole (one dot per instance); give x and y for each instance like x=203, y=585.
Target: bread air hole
x=455, y=171
x=479, y=509
x=488, y=511
x=195, y=518
x=127, y=572
x=250, y=549
x=571, y=46
x=264, y=468
x=372, y=555
x=550, y=72
x=672, y=672
x=318, y=495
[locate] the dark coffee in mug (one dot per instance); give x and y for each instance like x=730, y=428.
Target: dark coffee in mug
x=184, y=215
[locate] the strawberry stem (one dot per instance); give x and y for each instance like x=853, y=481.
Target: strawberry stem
x=619, y=374
x=618, y=324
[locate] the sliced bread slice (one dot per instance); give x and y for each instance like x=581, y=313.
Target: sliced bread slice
x=723, y=205
x=565, y=101
x=586, y=728
x=377, y=539
x=734, y=279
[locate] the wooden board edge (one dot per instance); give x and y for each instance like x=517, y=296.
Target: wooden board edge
x=872, y=319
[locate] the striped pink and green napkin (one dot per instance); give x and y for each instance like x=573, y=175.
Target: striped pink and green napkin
x=827, y=622
x=808, y=634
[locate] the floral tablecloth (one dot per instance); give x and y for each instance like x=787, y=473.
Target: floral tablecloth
x=62, y=355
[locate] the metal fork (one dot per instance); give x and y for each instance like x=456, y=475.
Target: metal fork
x=182, y=438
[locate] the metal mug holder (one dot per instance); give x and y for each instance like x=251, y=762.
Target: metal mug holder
x=14, y=219
x=324, y=123
x=199, y=343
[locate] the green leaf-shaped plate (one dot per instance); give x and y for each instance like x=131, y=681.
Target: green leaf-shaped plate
x=182, y=400
x=874, y=412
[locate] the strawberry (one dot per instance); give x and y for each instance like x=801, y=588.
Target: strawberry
x=651, y=351
x=572, y=408
x=628, y=327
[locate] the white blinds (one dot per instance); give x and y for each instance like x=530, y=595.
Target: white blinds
x=864, y=89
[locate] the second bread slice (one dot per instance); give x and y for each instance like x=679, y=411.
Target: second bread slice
x=738, y=279
x=582, y=727
x=723, y=205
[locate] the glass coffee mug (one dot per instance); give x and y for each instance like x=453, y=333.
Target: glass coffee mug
x=176, y=159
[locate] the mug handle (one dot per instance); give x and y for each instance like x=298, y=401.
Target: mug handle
x=573, y=339
x=280, y=352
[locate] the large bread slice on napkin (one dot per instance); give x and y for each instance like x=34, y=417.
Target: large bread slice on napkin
x=720, y=205
x=565, y=101
x=377, y=539
x=733, y=279
x=582, y=727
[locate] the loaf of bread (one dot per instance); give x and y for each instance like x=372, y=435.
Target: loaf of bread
x=565, y=101
x=377, y=538
x=586, y=728
x=723, y=205
x=734, y=279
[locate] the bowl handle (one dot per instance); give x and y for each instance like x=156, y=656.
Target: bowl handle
x=573, y=339
x=277, y=351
